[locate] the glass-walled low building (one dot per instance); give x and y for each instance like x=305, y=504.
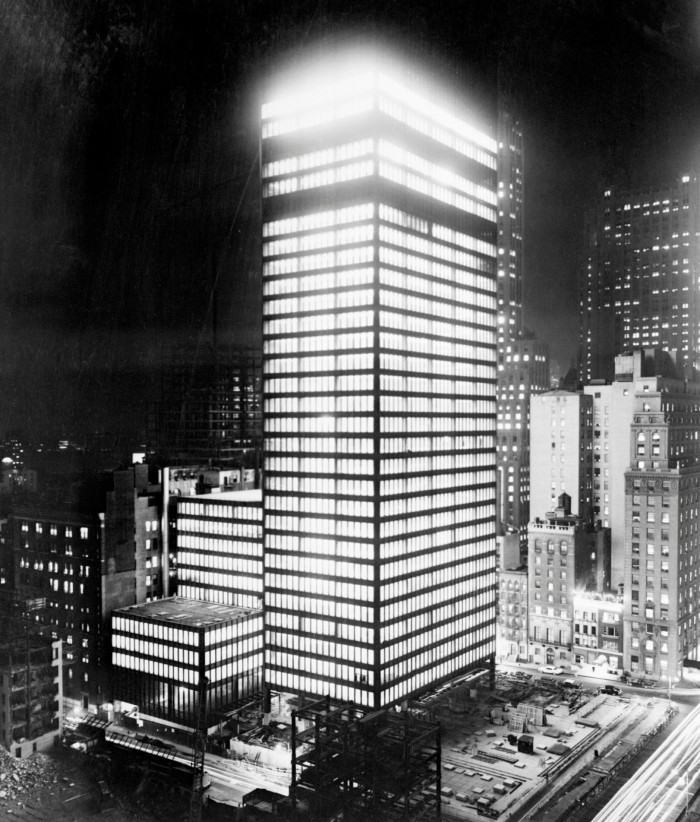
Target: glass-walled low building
x=160, y=650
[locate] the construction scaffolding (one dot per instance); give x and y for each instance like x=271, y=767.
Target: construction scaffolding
x=31, y=675
x=379, y=766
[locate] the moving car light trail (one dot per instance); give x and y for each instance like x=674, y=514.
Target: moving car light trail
x=662, y=787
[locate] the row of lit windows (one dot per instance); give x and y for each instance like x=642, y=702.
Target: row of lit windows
x=222, y=527
x=242, y=647
x=401, y=362
x=295, y=683
x=430, y=248
x=473, y=537
x=356, y=255
x=449, y=235
x=318, y=424
x=431, y=172
x=217, y=562
x=321, y=444
x=461, y=495
x=320, y=667
x=323, y=342
x=235, y=668
x=293, y=325
x=320, y=302
x=441, y=347
x=325, y=281
x=320, y=485
x=136, y=645
x=429, y=188
x=310, y=644
x=433, y=576
x=324, y=404
x=312, y=605
x=442, y=421
x=326, y=156
x=468, y=263
x=344, y=528
x=154, y=667
x=146, y=628
x=358, y=445
x=326, y=506
x=456, y=312
x=326, y=113
x=409, y=322
x=446, y=519
x=390, y=465
x=436, y=122
x=292, y=543
x=222, y=546
x=421, y=646
x=319, y=219
x=317, y=586
x=483, y=601
x=331, y=383
x=465, y=429
x=212, y=579
x=316, y=179
x=320, y=239
x=53, y=530
x=461, y=385
x=299, y=563
x=197, y=508
x=397, y=404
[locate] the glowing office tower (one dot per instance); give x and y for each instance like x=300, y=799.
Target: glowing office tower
x=379, y=377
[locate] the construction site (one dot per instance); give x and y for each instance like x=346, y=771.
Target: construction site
x=532, y=748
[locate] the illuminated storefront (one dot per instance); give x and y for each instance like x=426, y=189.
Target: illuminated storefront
x=379, y=371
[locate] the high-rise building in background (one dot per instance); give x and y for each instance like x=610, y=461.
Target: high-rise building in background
x=640, y=285
x=379, y=363
x=523, y=361
x=210, y=412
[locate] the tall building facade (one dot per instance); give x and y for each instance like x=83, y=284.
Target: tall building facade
x=379, y=377
x=662, y=487
x=523, y=361
x=639, y=286
x=562, y=449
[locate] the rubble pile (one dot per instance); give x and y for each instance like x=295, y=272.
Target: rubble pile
x=21, y=778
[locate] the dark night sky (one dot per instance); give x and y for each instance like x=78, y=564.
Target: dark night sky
x=129, y=185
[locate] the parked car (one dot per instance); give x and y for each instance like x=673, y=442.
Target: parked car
x=613, y=690
x=551, y=669
x=571, y=683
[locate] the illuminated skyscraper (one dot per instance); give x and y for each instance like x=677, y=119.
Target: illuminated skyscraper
x=379, y=380
x=640, y=286
x=523, y=361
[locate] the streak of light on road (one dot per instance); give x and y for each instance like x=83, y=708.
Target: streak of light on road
x=660, y=789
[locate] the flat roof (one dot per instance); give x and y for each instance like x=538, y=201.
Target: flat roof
x=193, y=613
x=249, y=495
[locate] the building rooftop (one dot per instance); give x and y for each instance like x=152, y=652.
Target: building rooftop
x=250, y=496
x=193, y=613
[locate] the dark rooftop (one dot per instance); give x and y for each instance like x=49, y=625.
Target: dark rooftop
x=190, y=612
